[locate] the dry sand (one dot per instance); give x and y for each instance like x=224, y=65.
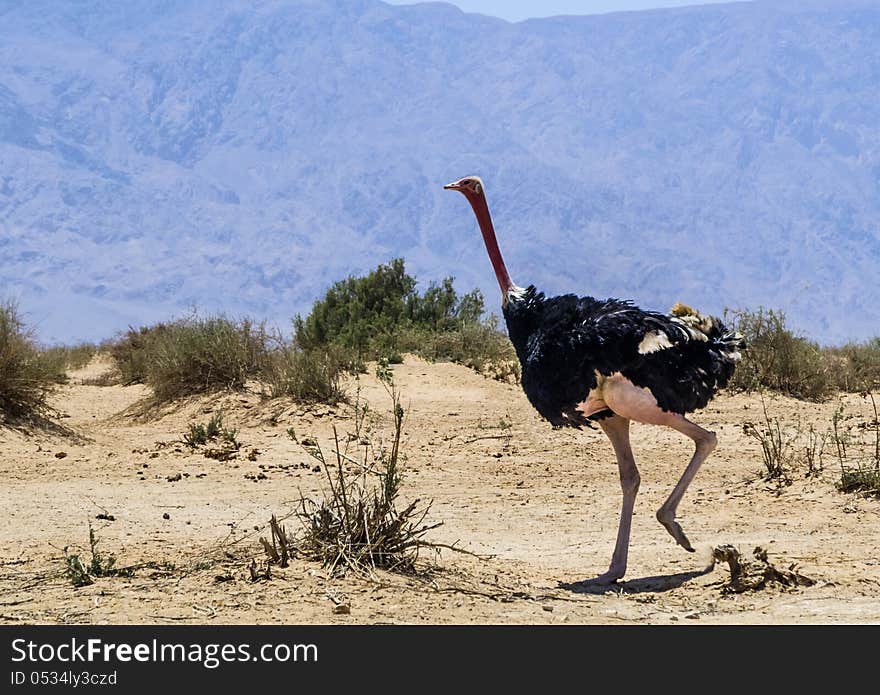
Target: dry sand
x=540, y=506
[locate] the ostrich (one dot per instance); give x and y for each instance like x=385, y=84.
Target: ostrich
x=608, y=361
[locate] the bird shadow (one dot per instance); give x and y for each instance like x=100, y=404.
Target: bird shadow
x=653, y=584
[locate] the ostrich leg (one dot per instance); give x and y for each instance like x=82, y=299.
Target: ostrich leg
x=617, y=429
x=635, y=403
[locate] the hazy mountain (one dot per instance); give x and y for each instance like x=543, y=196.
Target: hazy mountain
x=242, y=155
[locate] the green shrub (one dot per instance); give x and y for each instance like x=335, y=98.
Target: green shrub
x=201, y=433
x=26, y=376
x=381, y=315
x=359, y=313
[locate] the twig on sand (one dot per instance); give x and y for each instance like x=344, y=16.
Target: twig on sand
x=751, y=575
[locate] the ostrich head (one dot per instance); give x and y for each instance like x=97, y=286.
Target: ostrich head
x=472, y=189
x=470, y=186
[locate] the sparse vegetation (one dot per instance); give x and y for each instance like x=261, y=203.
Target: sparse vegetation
x=777, y=446
x=786, y=447
x=191, y=355
x=780, y=360
x=64, y=358
x=858, y=452
x=307, y=376
x=27, y=376
x=357, y=526
x=201, y=355
x=100, y=565
x=213, y=432
x=201, y=433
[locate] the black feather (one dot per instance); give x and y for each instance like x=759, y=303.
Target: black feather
x=563, y=341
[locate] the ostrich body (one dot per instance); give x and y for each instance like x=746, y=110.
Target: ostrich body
x=608, y=361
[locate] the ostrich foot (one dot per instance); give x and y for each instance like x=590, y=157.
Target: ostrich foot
x=609, y=577
x=667, y=518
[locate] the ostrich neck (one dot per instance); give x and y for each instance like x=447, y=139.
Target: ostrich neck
x=481, y=210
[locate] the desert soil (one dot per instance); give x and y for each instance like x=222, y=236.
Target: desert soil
x=537, y=507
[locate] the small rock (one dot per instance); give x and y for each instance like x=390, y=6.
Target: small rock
x=342, y=609
x=174, y=478
x=105, y=517
x=166, y=516
x=61, y=455
x=547, y=608
x=316, y=469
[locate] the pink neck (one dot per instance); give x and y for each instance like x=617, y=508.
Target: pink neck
x=481, y=210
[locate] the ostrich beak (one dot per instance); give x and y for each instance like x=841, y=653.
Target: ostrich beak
x=454, y=186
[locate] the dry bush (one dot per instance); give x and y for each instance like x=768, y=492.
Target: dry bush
x=26, y=375
x=191, y=355
x=202, y=355
x=753, y=575
x=357, y=525
x=131, y=352
x=855, y=367
x=64, y=358
x=777, y=446
x=307, y=376
x=197, y=355
x=783, y=361
x=480, y=346
x=778, y=359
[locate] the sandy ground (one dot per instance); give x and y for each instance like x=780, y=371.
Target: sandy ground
x=539, y=506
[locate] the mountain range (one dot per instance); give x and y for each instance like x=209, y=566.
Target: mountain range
x=242, y=155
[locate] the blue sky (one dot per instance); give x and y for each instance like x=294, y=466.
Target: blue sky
x=515, y=10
